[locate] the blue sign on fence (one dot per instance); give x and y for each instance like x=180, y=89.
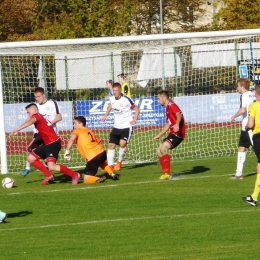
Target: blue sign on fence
x=243, y=71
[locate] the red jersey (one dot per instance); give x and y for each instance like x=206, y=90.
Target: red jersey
x=171, y=110
x=45, y=129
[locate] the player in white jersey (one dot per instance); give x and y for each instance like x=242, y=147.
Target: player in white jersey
x=49, y=109
x=245, y=141
x=122, y=107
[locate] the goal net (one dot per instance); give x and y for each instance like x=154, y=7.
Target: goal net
x=199, y=70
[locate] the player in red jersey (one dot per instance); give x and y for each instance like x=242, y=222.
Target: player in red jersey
x=175, y=124
x=50, y=149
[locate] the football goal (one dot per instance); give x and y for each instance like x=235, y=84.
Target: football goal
x=199, y=70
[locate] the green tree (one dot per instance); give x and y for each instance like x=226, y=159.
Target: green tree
x=15, y=19
x=44, y=19
x=177, y=15
x=242, y=14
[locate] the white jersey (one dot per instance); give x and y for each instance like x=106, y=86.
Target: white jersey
x=122, y=109
x=49, y=110
x=245, y=100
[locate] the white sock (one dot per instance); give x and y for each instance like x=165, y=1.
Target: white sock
x=27, y=166
x=241, y=158
x=121, y=154
x=110, y=156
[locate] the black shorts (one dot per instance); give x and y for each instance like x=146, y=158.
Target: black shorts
x=37, y=141
x=173, y=140
x=50, y=152
x=117, y=134
x=244, y=140
x=92, y=165
x=256, y=141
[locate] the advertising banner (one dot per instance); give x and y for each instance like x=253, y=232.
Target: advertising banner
x=15, y=115
x=151, y=113
x=209, y=108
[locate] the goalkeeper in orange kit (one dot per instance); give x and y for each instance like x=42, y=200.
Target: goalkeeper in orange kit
x=90, y=148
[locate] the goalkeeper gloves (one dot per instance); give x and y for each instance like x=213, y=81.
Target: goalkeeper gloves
x=67, y=155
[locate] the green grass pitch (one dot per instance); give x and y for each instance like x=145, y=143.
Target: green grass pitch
x=200, y=215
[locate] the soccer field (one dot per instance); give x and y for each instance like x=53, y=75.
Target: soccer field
x=200, y=215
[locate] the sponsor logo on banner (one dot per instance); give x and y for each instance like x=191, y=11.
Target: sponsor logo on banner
x=151, y=113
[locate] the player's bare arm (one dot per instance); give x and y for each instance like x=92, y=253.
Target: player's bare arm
x=240, y=112
x=109, y=108
x=137, y=112
x=27, y=123
x=250, y=122
x=57, y=119
x=71, y=141
x=164, y=130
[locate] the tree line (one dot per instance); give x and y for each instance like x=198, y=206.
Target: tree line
x=23, y=20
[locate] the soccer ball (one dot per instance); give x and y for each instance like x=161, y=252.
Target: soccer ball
x=7, y=183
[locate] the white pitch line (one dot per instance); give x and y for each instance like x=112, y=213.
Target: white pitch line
x=131, y=219
x=178, y=178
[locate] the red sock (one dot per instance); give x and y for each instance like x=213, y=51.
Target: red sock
x=67, y=171
x=165, y=162
x=39, y=166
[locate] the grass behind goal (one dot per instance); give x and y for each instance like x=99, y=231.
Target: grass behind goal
x=200, y=215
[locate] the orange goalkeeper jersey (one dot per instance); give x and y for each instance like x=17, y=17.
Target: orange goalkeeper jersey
x=88, y=143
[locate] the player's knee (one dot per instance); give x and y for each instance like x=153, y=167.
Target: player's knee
x=164, y=149
x=31, y=158
x=111, y=146
x=52, y=167
x=161, y=151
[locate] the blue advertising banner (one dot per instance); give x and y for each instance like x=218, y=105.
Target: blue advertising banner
x=151, y=113
x=209, y=108
x=15, y=115
x=196, y=109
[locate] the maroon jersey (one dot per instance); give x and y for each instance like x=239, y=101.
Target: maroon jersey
x=45, y=129
x=171, y=110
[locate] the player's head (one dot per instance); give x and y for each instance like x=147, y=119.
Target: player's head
x=163, y=97
x=79, y=121
x=121, y=78
x=31, y=109
x=109, y=83
x=39, y=95
x=243, y=85
x=117, y=90
x=257, y=90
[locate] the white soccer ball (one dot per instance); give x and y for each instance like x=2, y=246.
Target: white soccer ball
x=7, y=183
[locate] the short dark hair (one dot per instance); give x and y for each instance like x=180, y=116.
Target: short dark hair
x=121, y=75
x=39, y=89
x=110, y=81
x=30, y=105
x=81, y=119
x=163, y=93
x=116, y=84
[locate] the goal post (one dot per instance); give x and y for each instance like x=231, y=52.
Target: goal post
x=199, y=70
